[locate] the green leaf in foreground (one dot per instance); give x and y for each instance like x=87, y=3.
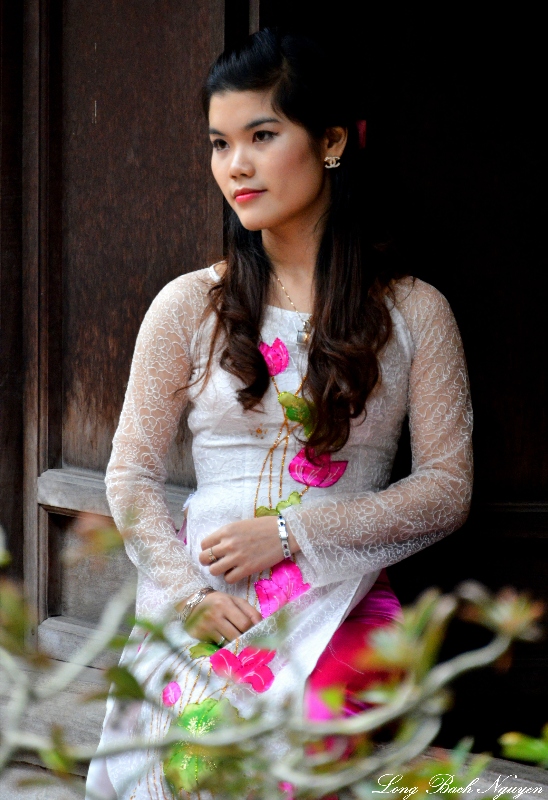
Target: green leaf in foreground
x=124, y=683
x=526, y=748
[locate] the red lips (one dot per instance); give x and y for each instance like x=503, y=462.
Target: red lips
x=243, y=194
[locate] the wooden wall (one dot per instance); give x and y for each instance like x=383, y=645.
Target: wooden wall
x=11, y=362
x=119, y=200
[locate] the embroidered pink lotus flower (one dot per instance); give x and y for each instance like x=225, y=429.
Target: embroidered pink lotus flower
x=275, y=355
x=285, y=584
x=325, y=473
x=171, y=693
x=249, y=667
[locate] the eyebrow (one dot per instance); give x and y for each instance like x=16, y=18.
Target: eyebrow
x=253, y=124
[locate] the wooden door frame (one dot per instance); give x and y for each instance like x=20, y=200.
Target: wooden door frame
x=37, y=334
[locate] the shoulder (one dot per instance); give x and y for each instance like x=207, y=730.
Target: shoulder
x=190, y=287
x=424, y=308
x=411, y=294
x=188, y=292
x=182, y=303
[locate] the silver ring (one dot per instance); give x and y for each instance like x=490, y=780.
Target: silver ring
x=223, y=640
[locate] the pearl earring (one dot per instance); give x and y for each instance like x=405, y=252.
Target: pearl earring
x=332, y=162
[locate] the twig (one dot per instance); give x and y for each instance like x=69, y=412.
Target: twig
x=221, y=738
x=426, y=733
x=411, y=696
x=15, y=710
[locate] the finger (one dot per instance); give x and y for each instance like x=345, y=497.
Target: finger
x=228, y=630
x=222, y=565
x=218, y=638
x=212, y=539
x=236, y=573
x=205, y=556
x=237, y=617
x=248, y=610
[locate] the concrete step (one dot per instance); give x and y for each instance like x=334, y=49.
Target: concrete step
x=81, y=721
x=10, y=788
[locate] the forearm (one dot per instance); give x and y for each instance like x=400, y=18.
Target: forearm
x=349, y=536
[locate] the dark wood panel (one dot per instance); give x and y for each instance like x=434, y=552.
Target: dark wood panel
x=80, y=591
x=89, y=272
x=499, y=546
x=138, y=205
x=11, y=361
x=458, y=158
x=455, y=131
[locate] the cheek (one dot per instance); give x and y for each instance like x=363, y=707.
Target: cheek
x=300, y=174
x=221, y=176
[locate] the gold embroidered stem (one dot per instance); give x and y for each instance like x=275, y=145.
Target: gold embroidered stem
x=269, y=458
x=273, y=447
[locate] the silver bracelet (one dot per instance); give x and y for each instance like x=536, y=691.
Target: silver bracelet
x=284, y=536
x=191, y=604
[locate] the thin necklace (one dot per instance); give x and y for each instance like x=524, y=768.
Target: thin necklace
x=303, y=335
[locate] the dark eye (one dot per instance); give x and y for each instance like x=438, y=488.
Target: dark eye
x=219, y=144
x=264, y=136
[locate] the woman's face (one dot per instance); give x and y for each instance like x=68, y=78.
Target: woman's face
x=266, y=166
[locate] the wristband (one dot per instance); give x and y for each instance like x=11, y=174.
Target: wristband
x=284, y=536
x=191, y=604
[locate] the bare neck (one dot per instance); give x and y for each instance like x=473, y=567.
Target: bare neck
x=293, y=255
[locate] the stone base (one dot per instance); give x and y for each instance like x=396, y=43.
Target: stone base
x=11, y=790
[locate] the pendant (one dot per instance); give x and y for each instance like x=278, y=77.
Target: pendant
x=304, y=335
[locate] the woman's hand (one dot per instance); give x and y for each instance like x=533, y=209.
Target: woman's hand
x=219, y=616
x=244, y=548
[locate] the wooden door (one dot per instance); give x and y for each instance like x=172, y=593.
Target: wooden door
x=11, y=418
x=119, y=201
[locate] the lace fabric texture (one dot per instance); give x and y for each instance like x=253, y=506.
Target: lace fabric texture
x=355, y=527
x=136, y=473
x=345, y=536
x=347, y=532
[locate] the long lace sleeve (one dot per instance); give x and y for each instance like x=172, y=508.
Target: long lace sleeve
x=354, y=535
x=148, y=424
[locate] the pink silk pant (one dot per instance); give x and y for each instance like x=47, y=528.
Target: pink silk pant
x=337, y=664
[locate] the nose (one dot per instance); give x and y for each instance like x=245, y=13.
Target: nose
x=241, y=164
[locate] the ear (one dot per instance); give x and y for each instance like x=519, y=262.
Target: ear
x=335, y=141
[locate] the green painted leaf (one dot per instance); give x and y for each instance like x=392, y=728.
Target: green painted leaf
x=294, y=499
x=203, y=649
x=264, y=511
x=297, y=409
x=187, y=766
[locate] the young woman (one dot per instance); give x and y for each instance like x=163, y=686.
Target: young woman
x=300, y=356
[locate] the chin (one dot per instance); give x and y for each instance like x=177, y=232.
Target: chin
x=253, y=224
x=250, y=226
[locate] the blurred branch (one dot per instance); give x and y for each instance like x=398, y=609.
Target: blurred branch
x=108, y=627
x=412, y=701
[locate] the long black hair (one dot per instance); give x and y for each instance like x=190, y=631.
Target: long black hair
x=351, y=321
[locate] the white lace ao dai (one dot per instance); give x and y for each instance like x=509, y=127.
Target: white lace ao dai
x=347, y=532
